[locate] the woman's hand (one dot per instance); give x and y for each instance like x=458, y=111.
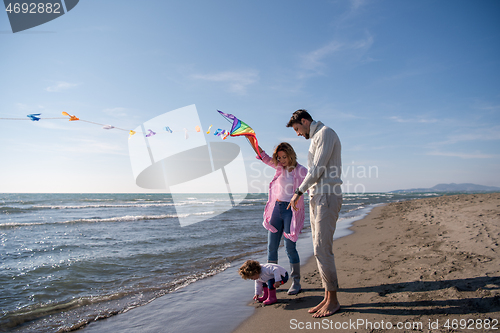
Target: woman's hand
x=293, y=202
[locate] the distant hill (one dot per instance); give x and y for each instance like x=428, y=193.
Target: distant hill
x=465, y=187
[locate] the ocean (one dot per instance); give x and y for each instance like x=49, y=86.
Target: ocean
x=67, y=260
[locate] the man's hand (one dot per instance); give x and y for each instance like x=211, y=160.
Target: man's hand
x=293, y=202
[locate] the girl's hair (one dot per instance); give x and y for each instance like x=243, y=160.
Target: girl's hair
x=249, y=269
x=288, y=150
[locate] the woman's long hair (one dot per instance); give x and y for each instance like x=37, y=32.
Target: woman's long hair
x=288, y=150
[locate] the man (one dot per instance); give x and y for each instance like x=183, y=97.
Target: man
x=323, y=182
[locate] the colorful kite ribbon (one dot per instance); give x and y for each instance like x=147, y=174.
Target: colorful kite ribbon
x=34, y=117
x=240, y=128
x=37, y=117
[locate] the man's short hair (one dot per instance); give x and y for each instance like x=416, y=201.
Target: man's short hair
x=297, y=117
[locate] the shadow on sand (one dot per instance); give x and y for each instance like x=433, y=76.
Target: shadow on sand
x=424, y=306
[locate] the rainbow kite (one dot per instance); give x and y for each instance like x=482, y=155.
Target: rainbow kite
x=240, y=128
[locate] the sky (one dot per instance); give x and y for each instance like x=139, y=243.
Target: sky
x=412, y=88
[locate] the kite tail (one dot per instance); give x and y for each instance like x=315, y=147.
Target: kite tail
x=255, y=146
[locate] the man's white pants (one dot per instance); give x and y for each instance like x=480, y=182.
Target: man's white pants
x=324, y=212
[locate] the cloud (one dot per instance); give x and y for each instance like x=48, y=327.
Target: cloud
x=92, y=146
x=60, y=86
x=72, y=147
x=237, y=81
x=344, y=115
x=413, y=120
x=463, y=155
x=356, y=4
x=480, y=134
x=490, y=107
x=315, y=62
x=116, y=112
x=404, y=75
x=292, y=139
x=29, y=108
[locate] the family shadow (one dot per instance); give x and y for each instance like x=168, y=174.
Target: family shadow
x=420, y=304
x=468, y=284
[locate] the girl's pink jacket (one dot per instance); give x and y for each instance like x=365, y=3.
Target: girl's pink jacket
x=297, y=223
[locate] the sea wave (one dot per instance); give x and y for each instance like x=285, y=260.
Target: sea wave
x=127, y=218
x=133, y=205
x=93, y=308
x=25, y=208
x=350, y=211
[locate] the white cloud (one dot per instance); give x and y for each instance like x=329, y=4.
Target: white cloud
x=60, y=86
x=413, y=120
x=486, y=106
x=403, y=75
x=314, y=62
x=292, y=139
x=491, y=107
x=356, y=4
x=344, y=115
x=116, y=112
x=74, y=146
x=29, y=108
x=91, y=146
x=480, y=134
x=463, y=155
x=237, y=81
x=23, y=107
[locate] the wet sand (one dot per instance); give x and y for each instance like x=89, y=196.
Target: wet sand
x=427, y=265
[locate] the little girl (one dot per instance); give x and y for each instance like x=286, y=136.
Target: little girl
x=267, y=278
x=279, y=220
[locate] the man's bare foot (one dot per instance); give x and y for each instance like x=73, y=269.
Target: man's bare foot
x=317, y=307
x=327, y=310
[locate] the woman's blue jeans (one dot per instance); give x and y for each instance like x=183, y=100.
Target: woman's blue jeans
x=281, y=220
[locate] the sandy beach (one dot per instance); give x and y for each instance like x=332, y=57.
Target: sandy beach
x=427, y=265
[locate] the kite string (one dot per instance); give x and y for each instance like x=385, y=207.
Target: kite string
x=91, y=122
x=87, y=121
x=74, y=118
x=53, y=118
x=231, y=122
x=31, y=119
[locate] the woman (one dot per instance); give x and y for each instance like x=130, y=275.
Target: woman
x=277, y=218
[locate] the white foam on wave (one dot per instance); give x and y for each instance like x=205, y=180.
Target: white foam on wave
x=127, y=218
x=196, y=214
x=140, y=205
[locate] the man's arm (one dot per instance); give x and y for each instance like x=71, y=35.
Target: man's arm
x=323, y=152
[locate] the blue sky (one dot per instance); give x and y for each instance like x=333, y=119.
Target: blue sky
x=412, y=88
